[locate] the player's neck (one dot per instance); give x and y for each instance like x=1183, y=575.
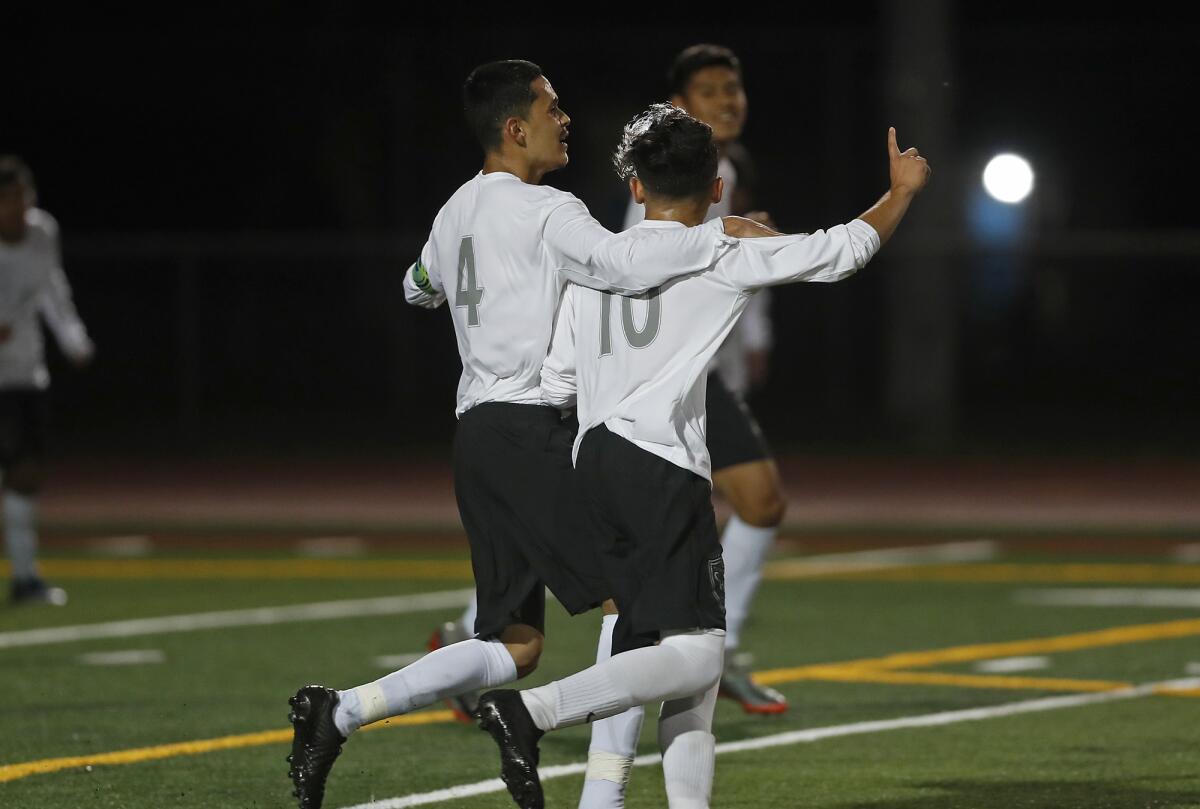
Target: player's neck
x=687, y=212
x=521, y=169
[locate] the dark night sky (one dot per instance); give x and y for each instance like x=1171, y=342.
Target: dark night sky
x=335, y=126
x=359, y=129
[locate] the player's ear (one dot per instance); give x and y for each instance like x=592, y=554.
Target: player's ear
x=637, y=190
x=718, y=190
x=514, y=130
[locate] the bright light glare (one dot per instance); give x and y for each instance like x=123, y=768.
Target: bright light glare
x=1008, y=178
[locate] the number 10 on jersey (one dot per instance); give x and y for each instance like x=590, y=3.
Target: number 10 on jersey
x=468, y=293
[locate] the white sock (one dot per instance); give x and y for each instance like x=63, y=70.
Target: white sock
x=465, y=666
x=683, y=664
x=745, y=548
x=20, y=535
x=614, y=743
x=468, y=617
x=689, y=749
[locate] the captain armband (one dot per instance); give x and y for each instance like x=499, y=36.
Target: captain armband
x=420, y=277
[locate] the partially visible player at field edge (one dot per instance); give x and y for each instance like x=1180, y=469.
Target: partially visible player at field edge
x=641, y=461
x=33, y=289
x=500, y=252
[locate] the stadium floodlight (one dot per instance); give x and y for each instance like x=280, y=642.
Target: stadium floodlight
x=1008, y=178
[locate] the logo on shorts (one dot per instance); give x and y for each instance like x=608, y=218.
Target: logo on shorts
x=716, y=579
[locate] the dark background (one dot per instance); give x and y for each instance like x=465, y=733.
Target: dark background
x=238, y=208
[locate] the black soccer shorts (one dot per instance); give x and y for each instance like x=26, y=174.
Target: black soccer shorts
x=655, y=534
x=732, y=434
x=512, y=480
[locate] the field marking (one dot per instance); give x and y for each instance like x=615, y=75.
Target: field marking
x=830, y=564
x=832, y=567
x=122, y=546
x=864, y=674
x=1111, y=597
x=987, y=651
x=259, y=616
x=130, y=657
x=1189, y=552
x=1006, y=665
x=322, y=568
x=808, y=736
x=856, y=670
x=332, y=547
x=13, y=772
x=1014, y=572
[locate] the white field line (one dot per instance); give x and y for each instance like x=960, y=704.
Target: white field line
x=1111, y=597
x=131, y=657
x=332, y=547
x=1187, y=553
x=805, y=736
x=1007, y=665
x=261, y=616
x=980, y=550
x=127, y=547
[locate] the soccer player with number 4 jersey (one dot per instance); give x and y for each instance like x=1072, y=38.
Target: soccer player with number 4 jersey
x=636, y=367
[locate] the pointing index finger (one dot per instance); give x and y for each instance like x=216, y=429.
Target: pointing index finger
x=893, y=149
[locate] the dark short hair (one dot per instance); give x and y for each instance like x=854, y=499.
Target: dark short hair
x=14, y=171
x=693, y=59
x=671, y=152
x=495, y=92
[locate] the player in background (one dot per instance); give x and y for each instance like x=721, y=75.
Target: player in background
x=33, y=289
x=500, y=252
x=636, y=369
x=706, y=81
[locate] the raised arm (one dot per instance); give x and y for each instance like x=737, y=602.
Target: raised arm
x=422, y=287
x=633, y=261
x=909, y=173
x=558, y=371
x=834, y=254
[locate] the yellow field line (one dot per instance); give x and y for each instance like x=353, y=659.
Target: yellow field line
x=256, y=569
x=861, y=674
x=1117, y=636
x=1071, y=573
x=12, y=772
x=989, y=651
x=872, y=670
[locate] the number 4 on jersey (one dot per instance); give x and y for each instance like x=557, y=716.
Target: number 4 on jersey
x=468, y=293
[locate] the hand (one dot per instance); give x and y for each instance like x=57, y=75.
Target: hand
x=5, y=333
x=741, y=228
x=909, y=170
x=762, y=218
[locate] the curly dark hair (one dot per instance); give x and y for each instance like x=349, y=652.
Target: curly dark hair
x=671, y=152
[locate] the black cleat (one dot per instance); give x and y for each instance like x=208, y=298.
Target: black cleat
x=36, y=591
x=503, y=714
x=316, y=743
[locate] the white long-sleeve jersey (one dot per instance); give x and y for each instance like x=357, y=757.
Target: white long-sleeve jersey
x=502, y=251
x=637, y=365
x=753, y=330
x=33, y=287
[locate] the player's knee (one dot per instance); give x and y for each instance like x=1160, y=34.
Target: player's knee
x=525, y=644
x=609, y=607
x=763, y=508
